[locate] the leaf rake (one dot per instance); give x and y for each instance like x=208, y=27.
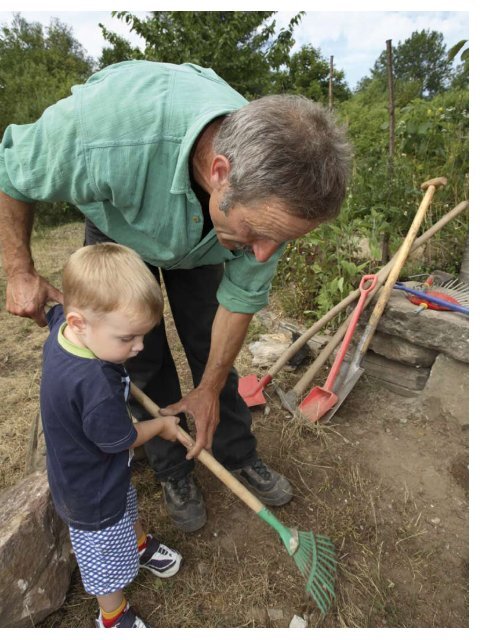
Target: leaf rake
x=313, y=554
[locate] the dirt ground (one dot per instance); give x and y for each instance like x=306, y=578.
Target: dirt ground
x=389, y=489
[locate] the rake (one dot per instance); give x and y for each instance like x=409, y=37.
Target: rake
x=313, y=554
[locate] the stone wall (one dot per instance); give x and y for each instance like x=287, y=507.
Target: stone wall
x=407, y=344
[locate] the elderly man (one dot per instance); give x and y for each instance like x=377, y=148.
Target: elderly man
x=172, y=162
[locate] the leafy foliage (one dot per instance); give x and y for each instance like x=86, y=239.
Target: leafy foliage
x=421, y=59
x=308, y=74
x=38, y=67
x=240, y=46
x=460, y=76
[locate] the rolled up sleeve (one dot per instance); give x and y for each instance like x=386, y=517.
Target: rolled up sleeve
x=246, y=283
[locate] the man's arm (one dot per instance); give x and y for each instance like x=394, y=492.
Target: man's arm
x=202, y=403
x=27, y=292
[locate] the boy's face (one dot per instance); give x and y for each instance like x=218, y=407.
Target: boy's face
x=114, y=337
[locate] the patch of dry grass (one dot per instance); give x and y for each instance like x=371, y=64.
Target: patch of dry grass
x=21, y=342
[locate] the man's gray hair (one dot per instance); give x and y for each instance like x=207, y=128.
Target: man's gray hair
x=287, y=147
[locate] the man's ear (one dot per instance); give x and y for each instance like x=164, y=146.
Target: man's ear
x=76, y=321
x=219, y=171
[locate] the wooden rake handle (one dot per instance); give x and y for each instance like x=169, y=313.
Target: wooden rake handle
x=204, y=456
x=400, y=258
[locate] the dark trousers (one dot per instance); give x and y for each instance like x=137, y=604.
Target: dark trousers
x=193, y=303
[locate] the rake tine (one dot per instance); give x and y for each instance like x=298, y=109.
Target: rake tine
x=326, y=581
x=322, y=602
x=321, y=590
x=319, y=594
x=450, y=284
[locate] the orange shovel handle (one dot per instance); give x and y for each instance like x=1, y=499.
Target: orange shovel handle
x=367, y=284
x=262, y=383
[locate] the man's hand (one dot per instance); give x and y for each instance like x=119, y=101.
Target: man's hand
x=28, y=293
x=203, y=405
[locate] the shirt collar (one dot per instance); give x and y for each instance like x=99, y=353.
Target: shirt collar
x=181, y=177
x=75, y=350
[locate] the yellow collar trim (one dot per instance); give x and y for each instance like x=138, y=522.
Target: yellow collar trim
x=81, y=352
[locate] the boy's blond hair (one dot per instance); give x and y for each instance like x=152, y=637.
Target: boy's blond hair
x=109, y=277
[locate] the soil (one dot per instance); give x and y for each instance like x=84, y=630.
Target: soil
x=387, y=486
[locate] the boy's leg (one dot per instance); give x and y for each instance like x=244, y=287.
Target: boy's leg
x=108, y=561
x=112, y=607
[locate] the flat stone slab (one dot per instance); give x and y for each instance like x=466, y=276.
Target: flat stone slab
x=443, y=331
x=402, y=378
x=395, y=348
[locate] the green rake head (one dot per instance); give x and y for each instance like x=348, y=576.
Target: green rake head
x=314, y=555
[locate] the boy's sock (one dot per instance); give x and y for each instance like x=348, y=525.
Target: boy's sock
x=142, y=543
x=109, y=618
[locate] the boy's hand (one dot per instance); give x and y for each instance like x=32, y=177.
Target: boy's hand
x=169, y=430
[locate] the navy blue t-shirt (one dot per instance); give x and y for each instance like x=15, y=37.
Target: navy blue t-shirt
x=88, y=431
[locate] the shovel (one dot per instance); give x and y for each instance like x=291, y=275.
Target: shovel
x=322, y=399
x=290, y=398
x=251, y=388
x=355, y=371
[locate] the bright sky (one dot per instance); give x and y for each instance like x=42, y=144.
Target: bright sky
x=354, y=38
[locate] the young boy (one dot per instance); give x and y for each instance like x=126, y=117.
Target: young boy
x=111, y=301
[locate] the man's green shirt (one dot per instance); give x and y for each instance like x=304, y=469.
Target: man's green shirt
x=118, y=148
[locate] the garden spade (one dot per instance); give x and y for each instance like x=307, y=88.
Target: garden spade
x=322, y=399
x=355, y=371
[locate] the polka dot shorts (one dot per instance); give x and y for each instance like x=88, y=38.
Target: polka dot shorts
x=108, y=558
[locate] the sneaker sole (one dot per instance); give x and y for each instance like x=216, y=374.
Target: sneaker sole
x=168, y=573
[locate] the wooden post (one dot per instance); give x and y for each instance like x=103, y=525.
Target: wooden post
x=391, y=143
x=391, y=105
x=330, y=85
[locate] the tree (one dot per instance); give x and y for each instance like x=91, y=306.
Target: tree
x=460, y=75
x=38, y=66
x=240, y=46
x=422, y=60
x=308, y=73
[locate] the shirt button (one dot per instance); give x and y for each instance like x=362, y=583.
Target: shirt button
x=196, y=219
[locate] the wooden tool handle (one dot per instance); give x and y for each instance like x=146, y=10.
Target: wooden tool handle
x=205, y=458
x=400, y=258
x=434, y=182
x=322, y=358
x=382, y=275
